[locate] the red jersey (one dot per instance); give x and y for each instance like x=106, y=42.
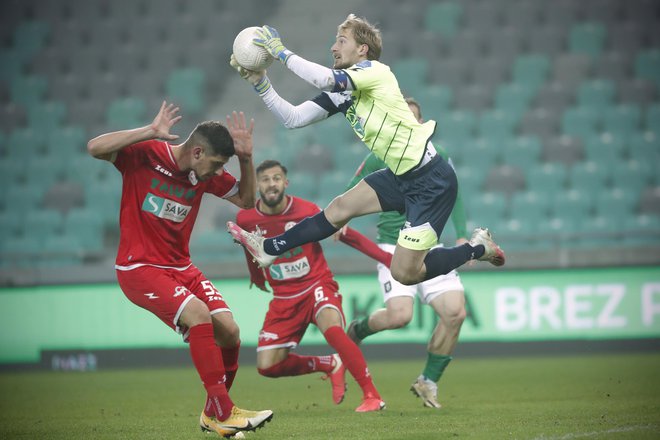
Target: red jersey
x=301, y=268
x=159, y=206
x=298, y=269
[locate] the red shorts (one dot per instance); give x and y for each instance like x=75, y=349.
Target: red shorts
x=165, y=292
x=287, y=319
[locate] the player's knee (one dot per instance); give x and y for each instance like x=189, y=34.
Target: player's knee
x=454, y=316
x=268, y=370
x=400, y=320
x=195, y=313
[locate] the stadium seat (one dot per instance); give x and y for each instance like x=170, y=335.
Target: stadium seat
x=571, y=69
x=554, y=97
x=547, y=178
x=587, y=38
x=436, y=100
x=23, y=143
x=540, y=123
x=546, y=40
x=449, y=72
x=645, y=147
x=47, y=116
x=622, y=120
x=412, y=74
x=604, y=149
x=457, y=124
x=69, y=141
x=473, y=98
x=565, y=149
x=505, y=179
x=615, y=203
x=614, y=66
x=486, y=208
x=647, y=65
x=42, y=223
x=186, y=87
x=490, y=73
x=470, y=179
x=513, y=97
x=529, y=207
x=561, y=13
x=632, y=176
x=531, y=69
x=523, y=152
x=497, y=123
x=572, y=204
x=600, y=231
x=443, y=18
x=638, y=91
x=29, y=37
x=28, y=90
x=642, y=230
x=580, y=122
x=11, y=64
x=126, y=113
x=481, y=153
x=595, y=93
x=650, y=201
x=304, y=184
x=589, y=177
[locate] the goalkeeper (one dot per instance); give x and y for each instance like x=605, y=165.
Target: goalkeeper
x=417, y=181
x=445, y=294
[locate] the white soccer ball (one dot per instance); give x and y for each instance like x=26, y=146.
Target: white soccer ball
x=248, y=54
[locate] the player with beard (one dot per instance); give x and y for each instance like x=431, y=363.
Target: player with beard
x=304, y=292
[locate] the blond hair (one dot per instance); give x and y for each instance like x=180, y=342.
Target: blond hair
x=364, y=33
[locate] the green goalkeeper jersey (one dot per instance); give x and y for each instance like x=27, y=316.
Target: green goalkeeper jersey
x=390, y=222
x=382, y=119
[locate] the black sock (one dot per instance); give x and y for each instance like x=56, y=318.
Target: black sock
x=441, y=261
x=311, y=229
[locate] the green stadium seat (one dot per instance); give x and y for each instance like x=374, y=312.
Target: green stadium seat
x=589, y=177
x=529, y=207
x=642, y=230
x=604, y=149
x=87, y=225
x=597, y=93
x=11, y=65
x=29, y=37
x=61, y=250
x=623, y=120
x=12, y=174
x=456, y=125
x=615, y=204
x=580, y=122
x=652, y=118
x=647, y=65
x=600, y=231
x=587, y=38
x=632, y=176
x=644, y=147
x=211, y=246
x=435, y=101
x=486, y=208
x=10, y=224
x=126, y=112
x=23, y=197
x=531, y=70
x=334, y=133
x=443, y=18
x=481, y=153
x=47, y=116
x=45, y=170
x=522, y=152
x=21, y=252
x=104, y=199
x=186, y=87
x=87, y=170
x=28, y=90
x=70, y=141
x=497, y=123
x=516, y=234
x=514, y=98
x=470, y=179
x=23, y=143
x=559, y=230
x=547, y=178
x=572, y=204
x=42, y=223
x=412, y=74
x=305, y=185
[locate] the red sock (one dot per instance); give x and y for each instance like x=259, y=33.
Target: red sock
x=352, y=357
x=208, y=362
x=295, y=365
x=230, y=359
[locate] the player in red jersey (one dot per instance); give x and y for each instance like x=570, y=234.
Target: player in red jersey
x=304, y=292
x=163, y=185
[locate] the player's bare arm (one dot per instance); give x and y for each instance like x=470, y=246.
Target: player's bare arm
x=241, y=133
x=106, y=145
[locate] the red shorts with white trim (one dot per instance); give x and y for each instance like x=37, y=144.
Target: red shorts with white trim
x=287, y=318
x=165, y=292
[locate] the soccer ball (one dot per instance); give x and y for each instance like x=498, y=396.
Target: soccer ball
x=248, y=54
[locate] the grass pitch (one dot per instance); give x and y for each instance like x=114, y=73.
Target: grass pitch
x=549, y=398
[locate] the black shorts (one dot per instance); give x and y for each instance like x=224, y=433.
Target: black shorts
x=426, y=195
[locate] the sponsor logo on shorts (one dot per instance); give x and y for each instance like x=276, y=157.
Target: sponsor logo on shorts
x=268, y=336
x=291, y=269
x=151, y=295
x=411, y=239
x=388, y=287
x=165, y=208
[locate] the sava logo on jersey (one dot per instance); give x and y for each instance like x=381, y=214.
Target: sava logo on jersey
x=290, y=269
x=165, y=208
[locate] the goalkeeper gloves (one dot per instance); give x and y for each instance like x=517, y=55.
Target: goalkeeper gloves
x=270, y=40
x=259, y=80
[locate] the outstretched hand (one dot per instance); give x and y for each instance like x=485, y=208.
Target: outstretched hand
x=251, y=76
x=241, y=133
x=164, y=121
